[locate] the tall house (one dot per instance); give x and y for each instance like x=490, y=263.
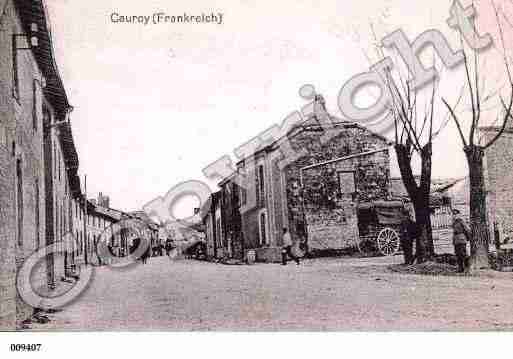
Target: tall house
x=38, y=160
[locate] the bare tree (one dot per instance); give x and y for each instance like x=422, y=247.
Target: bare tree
x=475, y=150
x=413, y=113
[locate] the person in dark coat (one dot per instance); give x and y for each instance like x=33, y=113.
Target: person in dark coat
x=169, y=246
x=461, y=236
x=146, y=254
x=409, y=236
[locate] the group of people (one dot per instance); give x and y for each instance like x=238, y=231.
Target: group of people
x=168, y=247
x=460, y=238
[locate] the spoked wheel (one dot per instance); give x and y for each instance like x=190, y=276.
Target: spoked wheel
x=388, y=241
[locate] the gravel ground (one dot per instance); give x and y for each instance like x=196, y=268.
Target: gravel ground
x=320, y=294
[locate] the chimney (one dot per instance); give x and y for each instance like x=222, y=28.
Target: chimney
x=103, y=201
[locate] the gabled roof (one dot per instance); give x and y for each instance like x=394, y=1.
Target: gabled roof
x=437, y=185
x=310, y=125
x=212, y=201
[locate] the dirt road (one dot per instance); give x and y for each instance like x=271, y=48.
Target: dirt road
x=321, y=294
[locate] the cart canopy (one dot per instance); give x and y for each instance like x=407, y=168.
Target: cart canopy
x=387, y=212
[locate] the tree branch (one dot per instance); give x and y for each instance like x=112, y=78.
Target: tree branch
x=453, y=116
x=504, y=121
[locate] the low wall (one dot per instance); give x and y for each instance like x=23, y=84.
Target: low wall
x=268, y=254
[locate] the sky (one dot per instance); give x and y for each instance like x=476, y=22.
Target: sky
x=154, y=104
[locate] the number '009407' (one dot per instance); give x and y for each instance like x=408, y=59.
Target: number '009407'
x=25, y=347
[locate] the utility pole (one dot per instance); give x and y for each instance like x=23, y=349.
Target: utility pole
x=85, y=222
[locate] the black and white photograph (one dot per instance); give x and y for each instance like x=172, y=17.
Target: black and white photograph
x=252, y=168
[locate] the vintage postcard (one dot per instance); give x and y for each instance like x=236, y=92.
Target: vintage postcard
x=254, y=166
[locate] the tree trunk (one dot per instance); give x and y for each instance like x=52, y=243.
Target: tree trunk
x=480, y=236
x=419, y=195
x=426, y=233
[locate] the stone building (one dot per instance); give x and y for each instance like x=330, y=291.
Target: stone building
x=88, y=227
x=211, y=214
x=232, y=238
x=315, y=195
x=38, y=160
x=499, y=180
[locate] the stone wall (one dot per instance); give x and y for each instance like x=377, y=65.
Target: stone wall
x=20, y=143
x=499, y=163
x=317, y=210
x=307, y=201
x=34, y=188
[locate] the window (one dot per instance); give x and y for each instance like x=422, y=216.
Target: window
x=19, y=200
x=63, y=223
x=34, y=105
x=218, y=232
x=76, y=241
x=241, y=172
x=59, y=154
x=260, y=194
x=47, y=116
x=54, y=161
x=346, y=182
x=57, y=218
x=15, y=77
x=37, y=219
x=63, y=218
x=262, y=224
x=242, y=196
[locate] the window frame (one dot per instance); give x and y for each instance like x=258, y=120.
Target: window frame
x=19, y=201
x=340, y=182
x=263, y=240
x=37, y=218
x=15, y=73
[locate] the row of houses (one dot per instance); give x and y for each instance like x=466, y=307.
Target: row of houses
x=41, y=197
x=318, y=195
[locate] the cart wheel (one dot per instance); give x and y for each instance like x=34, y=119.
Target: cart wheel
x=388, y=241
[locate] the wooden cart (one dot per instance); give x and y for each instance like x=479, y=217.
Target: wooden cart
x=380, y=227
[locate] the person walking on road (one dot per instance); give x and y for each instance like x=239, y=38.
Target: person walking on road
x=461, y=235
x=287, y=248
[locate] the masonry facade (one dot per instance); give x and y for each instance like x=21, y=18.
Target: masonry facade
x=499, y=181
x=38, y=160
x=315, y=195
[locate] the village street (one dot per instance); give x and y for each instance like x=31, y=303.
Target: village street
x=328, y=294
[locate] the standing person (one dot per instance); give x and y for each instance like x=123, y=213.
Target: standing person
x=287, y=248
x=146, y=254
x=496, y=236
x=168, y=246
x=409, y=236
x=461, y=235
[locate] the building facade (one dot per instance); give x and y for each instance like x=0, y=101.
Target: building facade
x=38, y=161
x=213, y=224
x=315, y=195
x=499, y=181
